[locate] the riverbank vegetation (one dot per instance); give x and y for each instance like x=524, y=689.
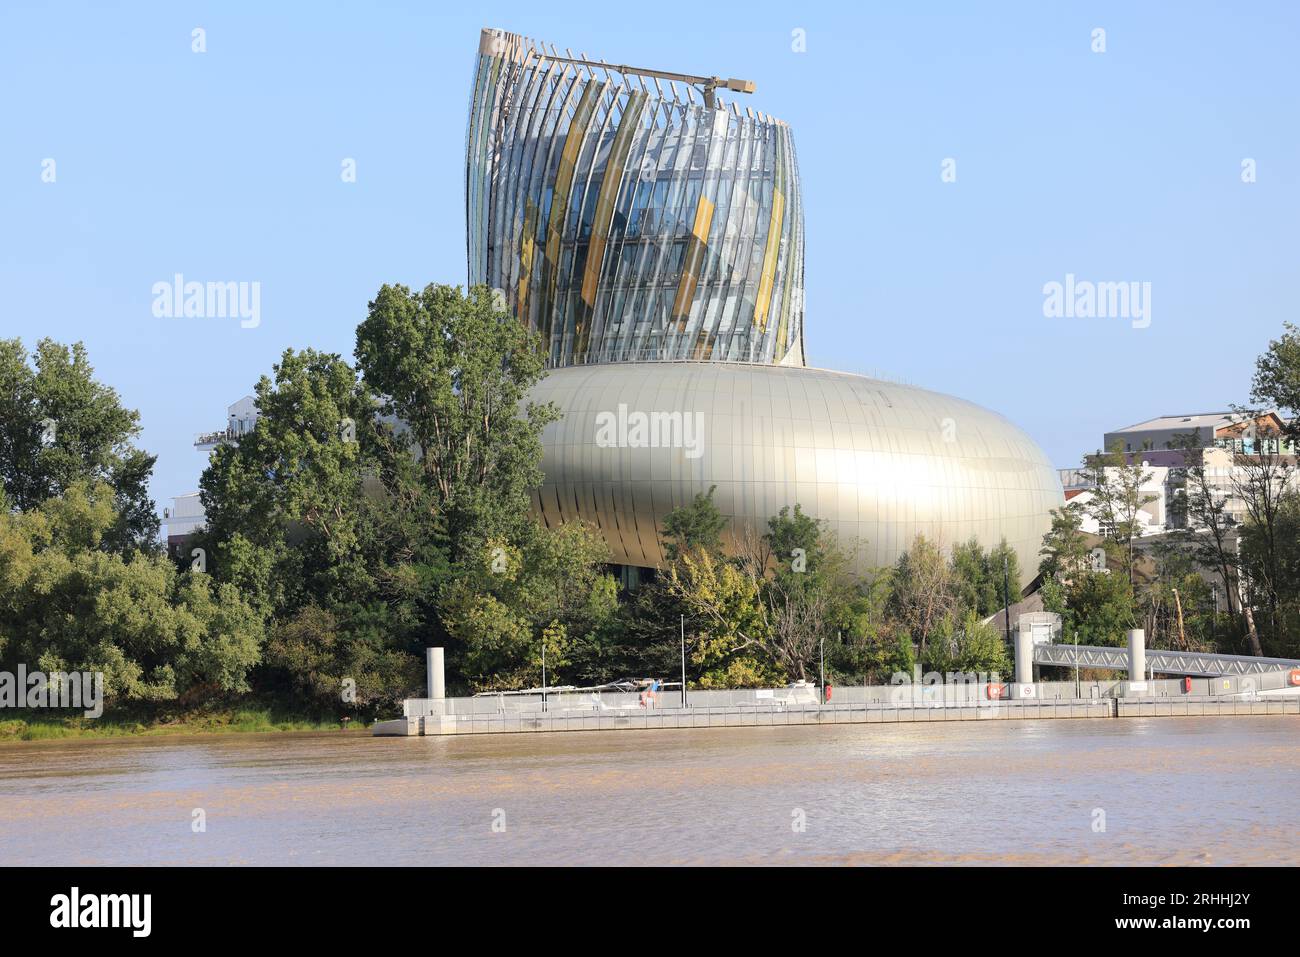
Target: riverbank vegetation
x=35, y=725
x=1226, y=577
x=381, y=505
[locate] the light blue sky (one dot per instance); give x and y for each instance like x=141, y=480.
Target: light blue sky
x=1120, y=166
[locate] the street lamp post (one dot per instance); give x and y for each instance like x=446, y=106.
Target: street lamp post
x=683, y=661
x=1006, y=597
x=1078, y=691
x=822, y=666
x=543, y=671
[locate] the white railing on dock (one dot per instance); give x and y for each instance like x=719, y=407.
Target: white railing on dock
x=907, y=695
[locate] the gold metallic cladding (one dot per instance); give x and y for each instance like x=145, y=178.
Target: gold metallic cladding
x=560, y=197
x=784, y=171
x=693, y=264
x=764, y=301
x=551, y=137
x=527, y=246
x=609, y=187
x=863, y=455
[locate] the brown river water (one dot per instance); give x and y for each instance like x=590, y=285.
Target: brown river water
x=1172, y=791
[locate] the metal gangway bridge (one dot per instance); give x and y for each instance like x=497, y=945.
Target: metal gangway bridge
x=1194, y=663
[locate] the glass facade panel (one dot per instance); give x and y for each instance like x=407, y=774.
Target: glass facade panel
x=626, y=222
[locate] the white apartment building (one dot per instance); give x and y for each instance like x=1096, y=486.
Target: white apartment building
x=1228, y=443
x=1221, y=430
x=186, y=512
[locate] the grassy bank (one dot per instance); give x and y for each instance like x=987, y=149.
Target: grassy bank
x=25, y=725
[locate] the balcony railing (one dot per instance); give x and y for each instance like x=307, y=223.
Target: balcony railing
x=216, y=438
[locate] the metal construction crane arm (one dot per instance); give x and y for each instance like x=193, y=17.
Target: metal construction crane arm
x=708, y=84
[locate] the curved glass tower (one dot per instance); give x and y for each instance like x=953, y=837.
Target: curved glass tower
x=624, y=219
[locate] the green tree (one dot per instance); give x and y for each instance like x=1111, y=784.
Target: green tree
x=310, y=518
x=1065, y=548
x=456, y=374
x=985, y=581
x=509, y=598
x=284, y=504
x=1176, y=600
x=367, y=524
x=1002, y=579
x=343, y=661
x=1117, y=500
x=641, y=639
x=697, y=526
x=1100, y=607
x=970, y=568
x=798, y=542
x=924, y=590
x=1277, y=377
x=728, y=631
x=59, y=426
x=1203, y=524
x=1262, y=482
x=870, y=646
x=1276, y=558
x=970, y=647
x=810, y=592
x=765, y=613
x=157, y=636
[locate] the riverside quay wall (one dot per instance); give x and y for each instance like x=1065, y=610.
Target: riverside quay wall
x=422, y=721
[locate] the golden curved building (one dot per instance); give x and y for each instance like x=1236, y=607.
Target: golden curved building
x=879, y=462
x=652, y=234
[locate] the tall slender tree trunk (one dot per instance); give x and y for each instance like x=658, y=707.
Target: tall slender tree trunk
x=1182, y=635
x=1227, y=590
x=1251, y=634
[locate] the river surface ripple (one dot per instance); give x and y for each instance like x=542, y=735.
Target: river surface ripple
x=1172, y=791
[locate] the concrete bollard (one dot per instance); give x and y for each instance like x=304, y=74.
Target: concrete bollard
x=1024, y=664
x=1024, y=657
x=435, y=682
x=1137, y=661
